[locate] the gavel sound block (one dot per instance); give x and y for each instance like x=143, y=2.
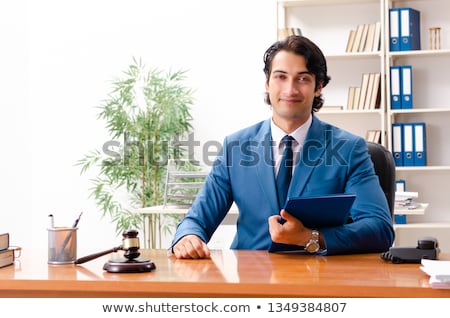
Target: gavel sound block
x=130, y=262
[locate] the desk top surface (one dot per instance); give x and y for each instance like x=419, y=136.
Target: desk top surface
x=227, y=273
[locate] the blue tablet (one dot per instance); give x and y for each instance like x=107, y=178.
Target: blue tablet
x=321, y=211
x=316, y=213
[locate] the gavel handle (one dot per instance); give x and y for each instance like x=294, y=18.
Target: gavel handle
x=94, y=256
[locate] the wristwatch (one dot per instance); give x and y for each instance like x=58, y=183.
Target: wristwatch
x=313, y=245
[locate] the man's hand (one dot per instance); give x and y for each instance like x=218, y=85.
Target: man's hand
x=291, y=231
x=191, y=246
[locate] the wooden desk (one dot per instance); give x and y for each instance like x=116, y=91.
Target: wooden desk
x=227, y=274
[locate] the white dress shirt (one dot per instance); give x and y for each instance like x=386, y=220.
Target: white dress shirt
x=278, y=147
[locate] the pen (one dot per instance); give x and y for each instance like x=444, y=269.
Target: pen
x=52, y=224
x=76, y=221
x=69, y=235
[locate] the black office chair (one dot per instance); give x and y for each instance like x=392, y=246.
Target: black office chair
x=384, y=165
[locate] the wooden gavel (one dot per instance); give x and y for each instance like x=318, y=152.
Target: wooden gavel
x=130, y=244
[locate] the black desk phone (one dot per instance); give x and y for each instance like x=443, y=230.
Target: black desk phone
x=427, y=247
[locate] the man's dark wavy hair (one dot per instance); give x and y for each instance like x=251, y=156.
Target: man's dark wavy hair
x=315, y=62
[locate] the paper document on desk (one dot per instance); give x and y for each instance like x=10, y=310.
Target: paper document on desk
x=439, y=272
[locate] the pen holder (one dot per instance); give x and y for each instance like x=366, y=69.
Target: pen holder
x=62, y=245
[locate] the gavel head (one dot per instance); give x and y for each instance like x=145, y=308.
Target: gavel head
x=130, y=244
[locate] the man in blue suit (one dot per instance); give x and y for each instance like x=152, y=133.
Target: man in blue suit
x=327, y=160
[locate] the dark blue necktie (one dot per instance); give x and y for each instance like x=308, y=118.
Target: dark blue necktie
x=285, y=171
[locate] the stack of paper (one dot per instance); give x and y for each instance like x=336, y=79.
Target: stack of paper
x=439, y=272
x=405, y=202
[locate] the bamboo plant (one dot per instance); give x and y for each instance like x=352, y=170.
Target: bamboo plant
x=145, y=112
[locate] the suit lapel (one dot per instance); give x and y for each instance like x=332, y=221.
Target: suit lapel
x=264, y=168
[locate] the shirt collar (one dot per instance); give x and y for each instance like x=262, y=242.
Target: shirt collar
x=299, y=134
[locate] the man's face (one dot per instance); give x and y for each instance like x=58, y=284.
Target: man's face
x=291, y=88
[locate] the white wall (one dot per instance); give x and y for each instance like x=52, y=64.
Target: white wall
x=56, y=60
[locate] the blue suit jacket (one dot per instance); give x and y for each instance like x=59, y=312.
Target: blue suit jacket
x=331, y=161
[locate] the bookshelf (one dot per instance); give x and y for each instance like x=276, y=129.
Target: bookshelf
x=431, y=104
x=431, y=93
x=314, y=18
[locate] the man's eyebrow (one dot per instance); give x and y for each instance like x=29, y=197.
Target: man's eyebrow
x=298, y=73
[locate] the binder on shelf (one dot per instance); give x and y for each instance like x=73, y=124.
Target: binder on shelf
x=397, y=145
x=409, y=29
x=394, y=29
x=406, y=86
x=408, y=144
x=395, y=75
x=400, y=185
x=420, y=158
x=400, y=219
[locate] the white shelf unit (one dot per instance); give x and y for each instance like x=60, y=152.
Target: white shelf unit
x=328, y=23
x=315, y=18
x=431, y=104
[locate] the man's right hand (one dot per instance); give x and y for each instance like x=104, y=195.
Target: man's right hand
x=191, y=246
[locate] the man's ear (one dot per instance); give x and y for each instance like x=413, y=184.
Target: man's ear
x=318, y=90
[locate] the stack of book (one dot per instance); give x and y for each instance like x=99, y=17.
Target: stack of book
x=367, y=96
x=285, y=32
x=366, y=38
x=6, y=253
x=374, y=136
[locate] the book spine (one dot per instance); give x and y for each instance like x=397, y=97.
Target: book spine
x=4, y=241
x=6, y=257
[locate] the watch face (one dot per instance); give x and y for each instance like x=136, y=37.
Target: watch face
x=312, y=247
